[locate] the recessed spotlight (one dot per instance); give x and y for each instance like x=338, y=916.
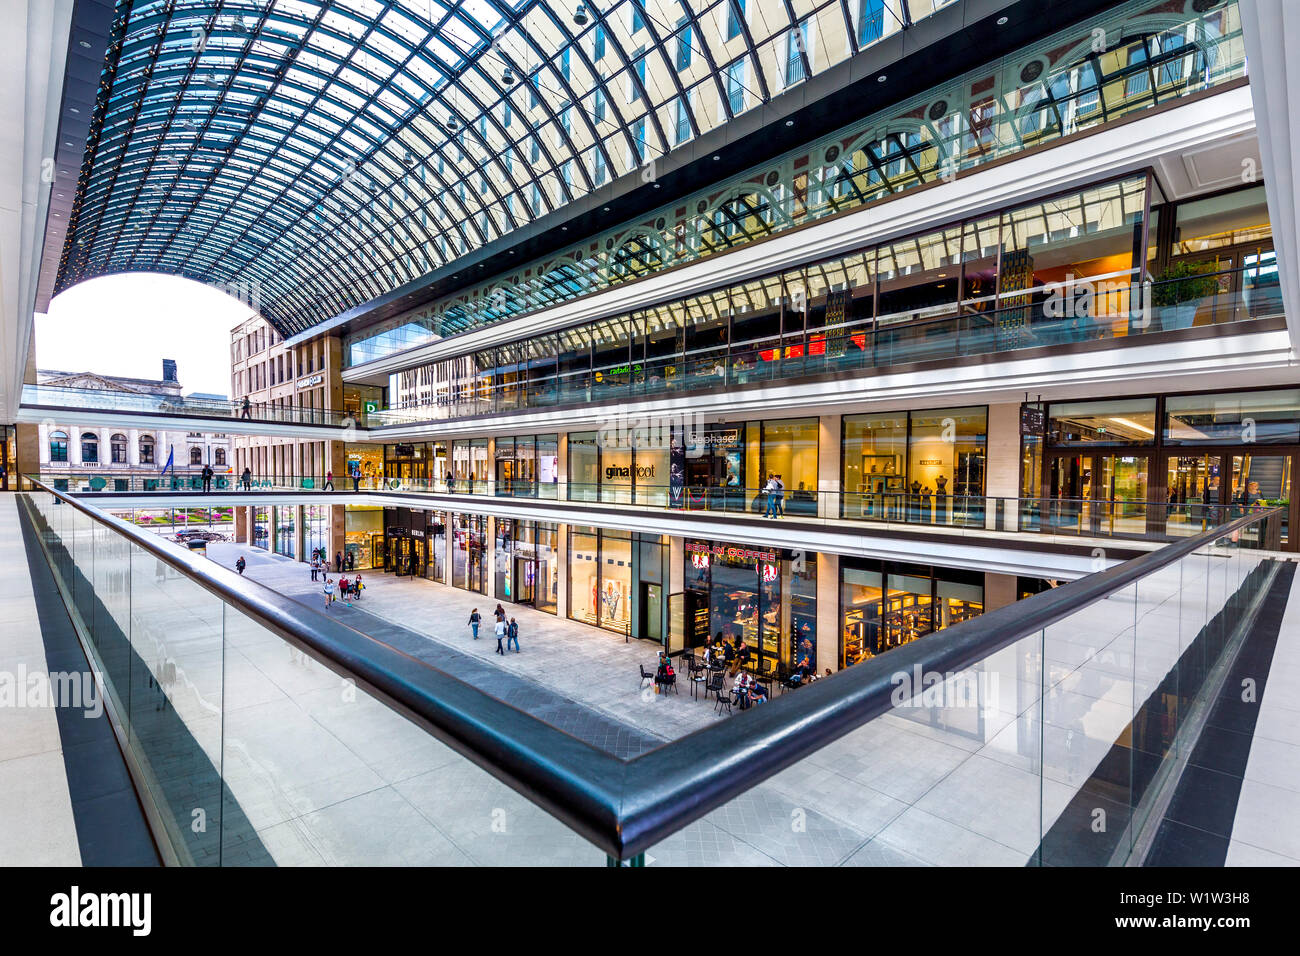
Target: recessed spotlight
x=84, y=45
x=656, y=185
x=74, y=110
x=604, y=209
x=789, y=122
x=716, y=158
x=1002, y=21
x=881, y=78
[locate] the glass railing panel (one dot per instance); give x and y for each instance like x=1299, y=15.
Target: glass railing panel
x=319, y=772
x=949, y=776
x=1088, y=673
x=176, y=645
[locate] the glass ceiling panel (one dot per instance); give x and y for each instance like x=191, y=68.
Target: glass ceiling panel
x=370, y=141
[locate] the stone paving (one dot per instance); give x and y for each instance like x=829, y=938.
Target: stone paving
x=566, y=673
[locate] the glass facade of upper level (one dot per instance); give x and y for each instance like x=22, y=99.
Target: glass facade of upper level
x=1133, y=58
x=1071, y=269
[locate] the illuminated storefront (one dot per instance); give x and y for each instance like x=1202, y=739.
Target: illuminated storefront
x=885, y=604
x=363, y=536
x=527, y=466
x=765, y=596
x=367, y=460
x=617, y=581
x=468, y=552
x=527, y=563
x=924, y=467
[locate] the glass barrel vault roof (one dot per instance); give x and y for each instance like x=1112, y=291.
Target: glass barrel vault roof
x=312, y=156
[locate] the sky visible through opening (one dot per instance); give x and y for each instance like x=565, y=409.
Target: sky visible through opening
x=127, y=324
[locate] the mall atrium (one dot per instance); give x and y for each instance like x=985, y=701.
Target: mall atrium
x=881, y=412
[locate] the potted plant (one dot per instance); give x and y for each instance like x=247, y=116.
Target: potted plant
x=1178, y=291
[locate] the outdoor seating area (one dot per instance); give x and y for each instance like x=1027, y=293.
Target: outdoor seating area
x=726, y=684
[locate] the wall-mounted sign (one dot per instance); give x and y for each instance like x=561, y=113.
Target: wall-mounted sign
x=310, y=381
x=613, y=472
x=931, y=461
x=730, y=553
x=403, y=451
x=729, y=437
x=1033, y=420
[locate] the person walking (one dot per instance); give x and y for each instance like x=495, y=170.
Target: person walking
x=246, y=479
x=512, y=635
x=474, y=619
x=241, y=564
x=246, y=411
x=329, y=592
x=769, y=490
x=315, y=567
x=350, y=561
x=451, y=482
x=356, y=588
x=501, y=634
x=329, y=480
x=356, y=476
x=338, y=562
x=206, y=475
x=780, y=497
x=500, y=613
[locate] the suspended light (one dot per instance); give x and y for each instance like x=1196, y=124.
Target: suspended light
x=452, y=122
x=580, y=14
x=508, y=77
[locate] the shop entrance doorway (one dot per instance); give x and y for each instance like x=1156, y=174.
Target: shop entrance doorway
x=650, y=620
x=525, y=581
x=1098, y=494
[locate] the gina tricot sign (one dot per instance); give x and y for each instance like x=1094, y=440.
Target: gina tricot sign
x=622, y=471
x=732, y=554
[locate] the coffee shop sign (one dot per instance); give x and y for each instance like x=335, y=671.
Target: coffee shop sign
x=732, y=554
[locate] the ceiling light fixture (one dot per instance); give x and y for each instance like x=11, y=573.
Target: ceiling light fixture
x=1002, y=21
x=580, y=14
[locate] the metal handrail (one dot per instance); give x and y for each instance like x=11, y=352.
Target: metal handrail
x=626, y=806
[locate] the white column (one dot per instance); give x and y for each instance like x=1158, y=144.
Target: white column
x=1003, y=464
x=828, y=466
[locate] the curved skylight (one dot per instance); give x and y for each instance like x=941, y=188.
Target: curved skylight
x=312, y=156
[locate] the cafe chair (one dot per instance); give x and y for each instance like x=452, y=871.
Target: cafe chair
x=645, y=676
x=717, y=686
x=699, y=678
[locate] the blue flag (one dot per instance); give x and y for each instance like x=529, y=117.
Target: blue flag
x=171, y=454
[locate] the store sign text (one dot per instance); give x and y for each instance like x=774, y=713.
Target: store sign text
x=619, y=471
x=732, y=554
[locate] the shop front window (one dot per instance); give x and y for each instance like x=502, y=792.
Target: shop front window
x=584, y=467
x=789, y=455
x=1263, y=418
x=1129, y=421
x=885, y=605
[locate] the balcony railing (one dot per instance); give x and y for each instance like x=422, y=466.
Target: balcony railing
x=1059, y=315
x=1056, y=518
x=1083, y=693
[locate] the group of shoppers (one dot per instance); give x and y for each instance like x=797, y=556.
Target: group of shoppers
x=506, y=631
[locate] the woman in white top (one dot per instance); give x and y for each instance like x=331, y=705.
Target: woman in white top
x=329, y=593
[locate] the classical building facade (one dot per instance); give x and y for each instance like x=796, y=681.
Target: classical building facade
x=69, y=450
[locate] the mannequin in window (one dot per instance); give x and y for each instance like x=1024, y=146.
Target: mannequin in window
x=941, y=499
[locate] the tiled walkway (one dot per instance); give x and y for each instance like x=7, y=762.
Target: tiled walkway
x=36, y=821
x=577, y=677
x=1266, y=828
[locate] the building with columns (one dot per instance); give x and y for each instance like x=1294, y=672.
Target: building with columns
x=75, y=454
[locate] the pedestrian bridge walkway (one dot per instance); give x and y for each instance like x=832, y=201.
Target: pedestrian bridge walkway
x=42, y=403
